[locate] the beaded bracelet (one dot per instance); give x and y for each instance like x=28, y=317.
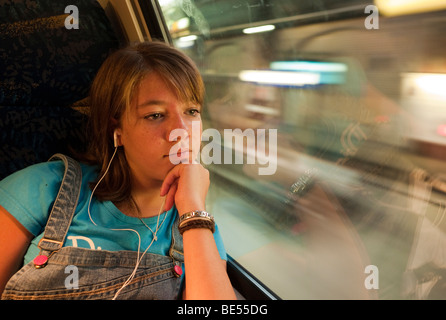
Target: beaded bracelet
x=197, y=223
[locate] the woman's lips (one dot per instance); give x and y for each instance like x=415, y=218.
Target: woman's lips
x=180, y=154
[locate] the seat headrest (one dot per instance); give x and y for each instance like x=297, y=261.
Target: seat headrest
x=44, y=63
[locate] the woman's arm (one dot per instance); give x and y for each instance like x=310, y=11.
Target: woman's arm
x=14, y=241
x=206, y=276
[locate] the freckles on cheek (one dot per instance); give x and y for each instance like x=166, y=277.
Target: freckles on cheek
x=153, y=147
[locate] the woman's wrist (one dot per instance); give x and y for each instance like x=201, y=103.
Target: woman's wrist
x=196, y=219
x=190, y=207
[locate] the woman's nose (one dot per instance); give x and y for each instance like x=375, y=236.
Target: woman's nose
x=179, y=128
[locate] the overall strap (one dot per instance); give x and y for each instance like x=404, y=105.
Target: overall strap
x=63, y=208
x=176, y=249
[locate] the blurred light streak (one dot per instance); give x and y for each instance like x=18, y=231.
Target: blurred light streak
x=402, y=7
x=316, y=66
x=265, y=28
x=329, y=72
x=280, y=78
x=433, y=83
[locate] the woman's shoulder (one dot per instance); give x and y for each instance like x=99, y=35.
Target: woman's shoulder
x=29, y=193
x=43, y=171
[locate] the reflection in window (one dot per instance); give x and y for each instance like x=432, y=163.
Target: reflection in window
x=361, y=142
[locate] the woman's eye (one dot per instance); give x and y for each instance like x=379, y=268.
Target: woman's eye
x=193, y=112
x=153, y=116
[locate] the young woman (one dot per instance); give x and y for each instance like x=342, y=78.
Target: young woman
x=138, y=219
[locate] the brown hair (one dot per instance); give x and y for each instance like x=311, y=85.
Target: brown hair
x=112, y=92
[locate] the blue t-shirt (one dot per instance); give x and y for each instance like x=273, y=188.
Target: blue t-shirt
x=28, y=195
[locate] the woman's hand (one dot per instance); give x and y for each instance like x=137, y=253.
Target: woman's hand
x=186, y=185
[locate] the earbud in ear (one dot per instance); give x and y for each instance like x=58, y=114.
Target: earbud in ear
x=115, y=138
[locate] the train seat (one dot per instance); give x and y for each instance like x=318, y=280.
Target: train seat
x=46, y=68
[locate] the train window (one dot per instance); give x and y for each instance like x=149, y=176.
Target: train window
x=325, y=135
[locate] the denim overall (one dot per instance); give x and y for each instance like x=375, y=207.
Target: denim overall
x=78, y=273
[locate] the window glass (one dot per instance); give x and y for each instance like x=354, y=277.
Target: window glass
x=325, y=136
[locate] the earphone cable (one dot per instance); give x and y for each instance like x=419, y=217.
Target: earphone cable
x=132, y=275
x=158, y=226
x=97, y=184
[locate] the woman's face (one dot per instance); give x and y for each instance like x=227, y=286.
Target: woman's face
x=147, y=131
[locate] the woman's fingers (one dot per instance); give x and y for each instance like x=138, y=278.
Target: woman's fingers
x=186, y=186
x=170, y=196
x=170, y=178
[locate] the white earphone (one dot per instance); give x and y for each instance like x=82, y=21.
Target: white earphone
x=115, y=138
